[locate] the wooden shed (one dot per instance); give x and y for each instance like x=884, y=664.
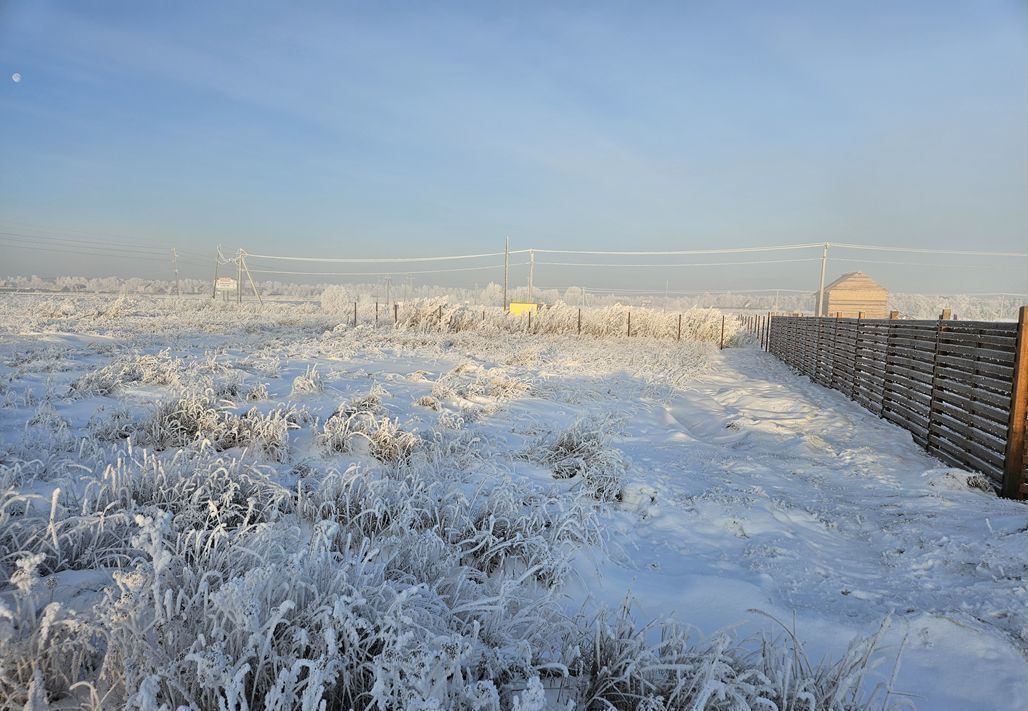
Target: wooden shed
x=853, y=294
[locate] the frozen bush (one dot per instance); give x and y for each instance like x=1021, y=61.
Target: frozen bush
x=195, y=420
x=582, y=450
x=626, y=670
x=159, y=369
x=309, y=382
x=44, y=649
x=357, y=430
x=336, y=300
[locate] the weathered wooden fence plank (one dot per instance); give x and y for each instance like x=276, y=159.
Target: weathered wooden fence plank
x=959, y=387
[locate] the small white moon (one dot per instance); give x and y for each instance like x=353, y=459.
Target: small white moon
x=16, y=77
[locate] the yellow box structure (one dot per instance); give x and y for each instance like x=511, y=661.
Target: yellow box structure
x=520, y=309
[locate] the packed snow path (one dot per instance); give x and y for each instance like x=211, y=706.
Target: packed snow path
x=756, y=489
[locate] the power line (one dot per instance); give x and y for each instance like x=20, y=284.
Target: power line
x=914, y=264
x=100, y=243
x=421, y=271
x=613, y=291
x=732, y=250
x=914, y=250
x=692, y=264
x=376, y=260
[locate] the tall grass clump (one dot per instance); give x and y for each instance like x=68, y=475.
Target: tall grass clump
x=582, y=452
x=698, y=324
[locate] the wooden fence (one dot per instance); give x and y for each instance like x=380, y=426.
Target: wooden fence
x=959, y=387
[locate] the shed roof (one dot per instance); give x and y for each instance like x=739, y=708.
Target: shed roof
x=856, y=281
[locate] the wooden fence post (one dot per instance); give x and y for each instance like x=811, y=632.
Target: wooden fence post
x=1013, y=464
x=888, y=372
x=629, y=324
x=396, y=314
x=376, y=314
x=679, y=328
x=935, y=384
x=580, y=322
x=722, y=331
x=856, y=361
x=767, y=332
x=529, y=321
x=355, y=314
x=835, y=349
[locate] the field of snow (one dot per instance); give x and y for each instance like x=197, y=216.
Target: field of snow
x=215, y=506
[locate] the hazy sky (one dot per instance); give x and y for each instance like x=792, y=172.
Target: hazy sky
x=368, y=129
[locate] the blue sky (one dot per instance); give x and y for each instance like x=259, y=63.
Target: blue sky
x=366, y=129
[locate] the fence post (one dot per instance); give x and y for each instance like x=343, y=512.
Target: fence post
x=722, y=331
x=889, y=371
x=529, y=321
x=396, y=314
x=1013, y=464
x=580, y=322
x=355, y=314
x=679, y=327
x=856, y=361
x=935, y=383
x=376, y=314
x=629, y=324
x=767, y=332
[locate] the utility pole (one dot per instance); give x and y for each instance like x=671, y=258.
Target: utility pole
x=253, y=285
x=214, y=284
x=821, y=288
x=174, y=266
x=239, y=281
x=531, y=274
x=506, y=268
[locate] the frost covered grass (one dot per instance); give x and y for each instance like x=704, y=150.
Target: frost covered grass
x=286, y=512
x=583, y=452
x=429, y=315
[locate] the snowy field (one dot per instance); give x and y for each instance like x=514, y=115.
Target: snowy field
x=212, y=506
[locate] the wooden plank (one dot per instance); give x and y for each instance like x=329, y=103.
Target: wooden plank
x=961, y=431
x=1014, y=453
x=900, y=418
x=915, y=378
x=990, y=413
x=974, y=352
x=914, y=421
x=955, y=456
x=970, y=426
x=967, y=452
x=917, y=400
x=914, y=366
x=1005, y=372
x=949, y=377
x=1001, y=327
x=998, y=343
x=997, y=400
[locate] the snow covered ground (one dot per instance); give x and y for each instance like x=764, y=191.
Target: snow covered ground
x=468, y=511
